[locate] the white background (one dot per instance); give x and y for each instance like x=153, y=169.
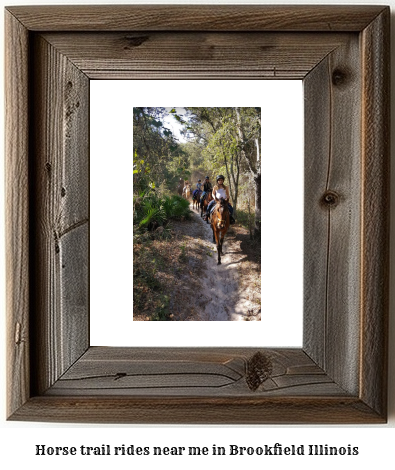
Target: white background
x=17, y=440
x=111, y=222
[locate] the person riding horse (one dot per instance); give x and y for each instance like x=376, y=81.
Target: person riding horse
x=220, y=220
x=220, y=191
x=206, y=197
x=196, y=194
x=186, y=192
x=207, y=188
x=198, y=189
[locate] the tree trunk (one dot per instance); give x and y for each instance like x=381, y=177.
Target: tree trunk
x=257, y=181
x=233, y=182
x=255, y=170
x=257, y=225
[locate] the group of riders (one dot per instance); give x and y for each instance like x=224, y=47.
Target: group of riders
x=219, y=191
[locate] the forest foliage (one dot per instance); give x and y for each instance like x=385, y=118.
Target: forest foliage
x=214, y=141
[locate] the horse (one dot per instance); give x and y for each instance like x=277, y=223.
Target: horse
x=187, y=191
x=220, y=221
x=196, y=198
x=204, y=203
x=179, y=189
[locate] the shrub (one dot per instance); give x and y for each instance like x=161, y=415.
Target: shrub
x=152, y=211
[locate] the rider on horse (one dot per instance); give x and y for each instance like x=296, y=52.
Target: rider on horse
x=207, y=188
x=220, y=191
x=187, y=188
x=197, y=191
x=198, y=187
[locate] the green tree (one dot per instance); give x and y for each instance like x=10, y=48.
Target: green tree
x=157, y=155
x=230, y=143
x=249, y=132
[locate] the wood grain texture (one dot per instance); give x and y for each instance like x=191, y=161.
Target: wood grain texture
x=74, y=292
x=196, y=17
x=199, y=55
x=60, y=186
x=193, y=372
x=339, y=376
x=375, y=212
x=317, y=112
x=332, y=214
x=201, y=410
x=17, y=213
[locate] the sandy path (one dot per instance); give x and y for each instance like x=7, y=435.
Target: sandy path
x=219, y=298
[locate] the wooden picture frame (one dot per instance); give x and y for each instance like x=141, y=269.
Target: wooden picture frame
x=340, y=374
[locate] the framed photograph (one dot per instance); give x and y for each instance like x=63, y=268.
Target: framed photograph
x=54, y=55
x=175, y=271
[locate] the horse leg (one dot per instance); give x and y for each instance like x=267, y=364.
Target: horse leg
x=219, y=248
x=202, y=201
x=221, y=243
x=218, y=242
x=207, y=214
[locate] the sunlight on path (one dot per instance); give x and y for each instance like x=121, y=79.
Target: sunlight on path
x=221, y=300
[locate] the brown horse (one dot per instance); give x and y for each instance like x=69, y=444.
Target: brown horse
x=179, y=189
x=196, y=200
x=204, y=203
x=220, y=220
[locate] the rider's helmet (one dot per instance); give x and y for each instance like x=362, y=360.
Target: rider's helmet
x=207, y=177
x=220, y=177
x=199, y=180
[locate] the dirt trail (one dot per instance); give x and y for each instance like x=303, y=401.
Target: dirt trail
x=215, y=293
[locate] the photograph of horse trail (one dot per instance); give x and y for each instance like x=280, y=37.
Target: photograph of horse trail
x=196, y=214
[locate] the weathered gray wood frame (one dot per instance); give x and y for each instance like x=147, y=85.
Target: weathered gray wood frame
x=339, y=376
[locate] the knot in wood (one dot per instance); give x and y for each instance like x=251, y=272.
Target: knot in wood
x=18, y=334
x=259, y=369
x=330, y=198
x=339, y=77
x=135, y=41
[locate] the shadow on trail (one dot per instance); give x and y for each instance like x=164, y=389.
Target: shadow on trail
x=250, y=248
x=206, y=291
